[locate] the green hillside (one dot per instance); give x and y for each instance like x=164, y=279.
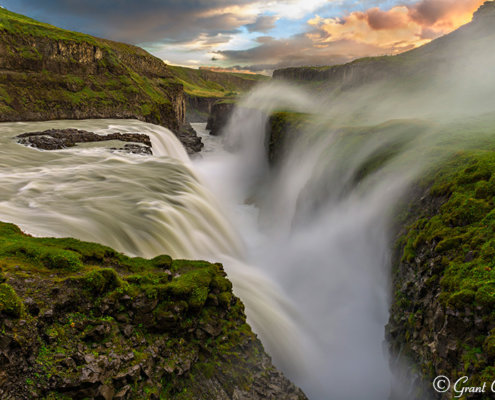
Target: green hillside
x=206, y=83
x=51, y=73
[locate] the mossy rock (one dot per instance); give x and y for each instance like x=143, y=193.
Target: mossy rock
x=100, y=281
x=10, y=303
x=489, y=346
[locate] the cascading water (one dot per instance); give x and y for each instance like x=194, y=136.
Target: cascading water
x=309, y=257
x=331, y=263
x=139, y=205
x=318, y=223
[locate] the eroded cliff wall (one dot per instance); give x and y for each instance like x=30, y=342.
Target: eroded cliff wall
x=49, y=73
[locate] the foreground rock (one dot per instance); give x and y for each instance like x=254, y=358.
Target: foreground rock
x=57, y=139
x=80, y=321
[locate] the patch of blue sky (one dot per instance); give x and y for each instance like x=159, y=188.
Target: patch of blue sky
x=285, y=27
x=342, y=8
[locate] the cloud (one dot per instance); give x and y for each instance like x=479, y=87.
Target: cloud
x=443, y=13
x=199, y=30
x=143, y=21
x=360, y=33
x=263, y=24
x=296, y=51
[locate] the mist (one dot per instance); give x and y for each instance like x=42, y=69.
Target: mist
x=322, y=227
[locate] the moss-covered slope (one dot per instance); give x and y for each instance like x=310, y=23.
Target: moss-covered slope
x=79, y=320
x=442, y=319
x=50, y=73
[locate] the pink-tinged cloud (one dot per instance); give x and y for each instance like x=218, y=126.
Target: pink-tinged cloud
x=360, y=34
x=399, y=28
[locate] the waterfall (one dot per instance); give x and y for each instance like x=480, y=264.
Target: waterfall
x=305, y=242
x=139, y=205
x=318, y=221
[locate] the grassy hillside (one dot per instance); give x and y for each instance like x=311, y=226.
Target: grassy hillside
x=51, y=73
x=206, y=83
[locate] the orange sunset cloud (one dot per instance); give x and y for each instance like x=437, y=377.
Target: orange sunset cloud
x=398, y=29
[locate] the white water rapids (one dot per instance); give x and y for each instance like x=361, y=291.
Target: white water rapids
x=305, y=247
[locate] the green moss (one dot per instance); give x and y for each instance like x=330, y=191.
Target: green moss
x=10, y=303
x=454, y=234
x=33, y=250
x=100, y=281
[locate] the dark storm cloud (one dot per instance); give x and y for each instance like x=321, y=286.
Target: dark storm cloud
x=139, y=21
x=263, y=24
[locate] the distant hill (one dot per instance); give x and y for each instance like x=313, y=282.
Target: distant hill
x=204, y=88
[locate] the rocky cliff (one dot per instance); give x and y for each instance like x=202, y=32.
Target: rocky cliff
x=49, y=73
x=442, y=319
x=81, y=321
x=220, y=114
x=204, y=88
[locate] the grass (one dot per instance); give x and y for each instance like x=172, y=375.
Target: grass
x=205, y=83
x=19, y=24
x=464, y=225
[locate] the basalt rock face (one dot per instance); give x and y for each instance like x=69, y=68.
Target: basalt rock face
x=220, y=114
x=441, y=320
x=199, y=108
x=48, y=73
x=80, y=321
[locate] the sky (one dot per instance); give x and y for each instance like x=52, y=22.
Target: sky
x=254, y=35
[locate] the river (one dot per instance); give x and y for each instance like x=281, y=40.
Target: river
x=307, y=252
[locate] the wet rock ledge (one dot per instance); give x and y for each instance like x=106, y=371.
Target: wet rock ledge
x=81, y=321
x=57, y=139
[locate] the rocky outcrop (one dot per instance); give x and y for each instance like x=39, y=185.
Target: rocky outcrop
x=219, y=116
x=48, y=73
x=78, y=320
x=188, y=137
x=57, y=139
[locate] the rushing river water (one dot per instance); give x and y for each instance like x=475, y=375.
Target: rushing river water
x=315, y=292
x=139, y=205
x=305, y=246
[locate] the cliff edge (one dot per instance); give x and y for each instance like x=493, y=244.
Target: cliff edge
x=49, y=73
x=81, y=321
